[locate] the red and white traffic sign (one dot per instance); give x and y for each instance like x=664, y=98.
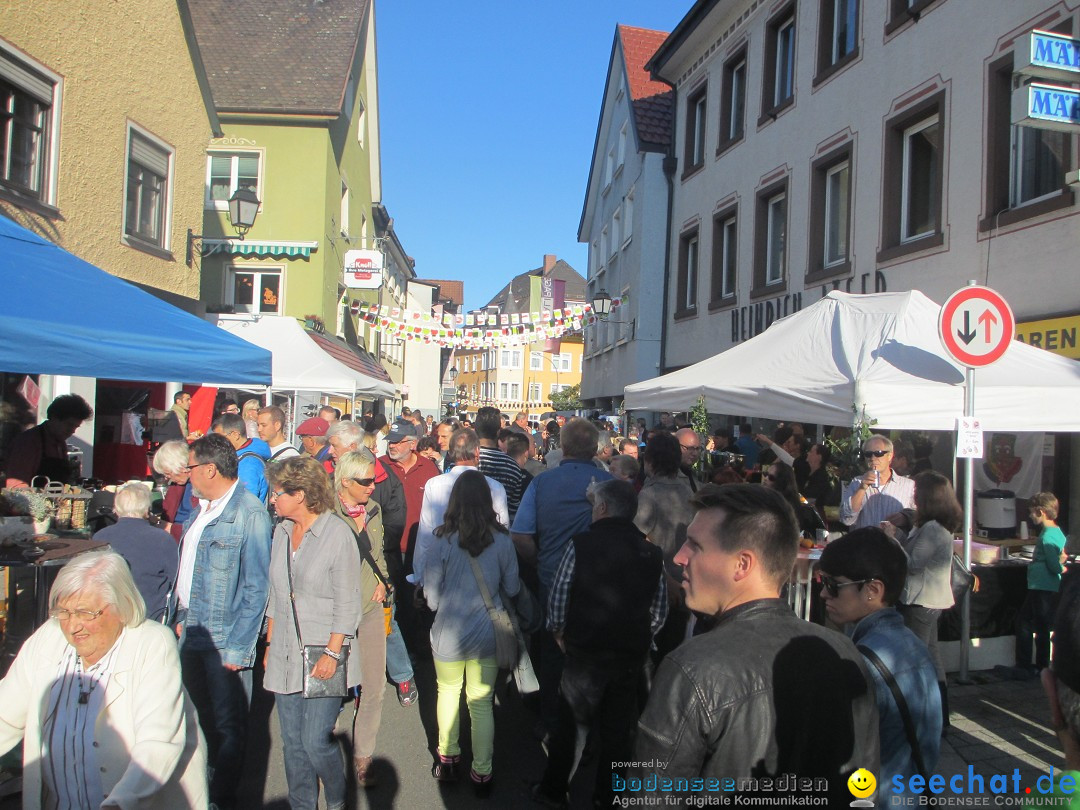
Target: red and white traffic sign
x=976, y=326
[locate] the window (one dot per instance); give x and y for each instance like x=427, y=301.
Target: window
x=515, y=391
x=901, y=11
x=778, y=81
x=147, y=196
x=1026, y=166
x=361, y=122
x=256, y=291
x=228, y=171
x=912, y=188
x=29, y=122
x=557, y=387
x=725, y=254
x=609, y=167
x=622, y=145
x=562, y=362
x=733, y=101
x=536, y=361
x=503, y=391
x=534, y=392
x=616, y=229
x=604, y=243
x=770, y=239
x=344, y=209
x=686, y=302
x=837, y=36
x=472, y=392
x=511, y=358
x=830, y=214
x=628, y=217
x=694, y=151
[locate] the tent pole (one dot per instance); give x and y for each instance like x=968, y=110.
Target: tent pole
x=969, y=520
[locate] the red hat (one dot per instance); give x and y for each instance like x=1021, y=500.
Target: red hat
x=315, y=426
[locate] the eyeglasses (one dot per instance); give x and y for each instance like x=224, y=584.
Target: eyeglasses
x=875, y=453
x=278, y=494
x=832, y=587
x=190, y=467
x=364, y=482
x=84, y=616
x=688, y=447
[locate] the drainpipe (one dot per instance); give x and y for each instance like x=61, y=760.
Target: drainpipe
x=670, y=165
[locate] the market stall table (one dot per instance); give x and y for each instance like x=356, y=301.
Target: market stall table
x=54, y=552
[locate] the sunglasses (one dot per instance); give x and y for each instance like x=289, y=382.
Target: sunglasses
x=364, y=482
x=832, y=587
x=875, y=453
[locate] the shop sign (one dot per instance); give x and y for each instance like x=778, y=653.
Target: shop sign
x=1046, y=106
x=1047, y=55
x=363, y=269
x=1057, y=335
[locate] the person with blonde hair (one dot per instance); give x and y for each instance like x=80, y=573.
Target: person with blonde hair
x=96, y=699
x=171, y=460
x=250, y=414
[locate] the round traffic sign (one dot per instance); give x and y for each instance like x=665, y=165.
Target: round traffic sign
x=976, y=326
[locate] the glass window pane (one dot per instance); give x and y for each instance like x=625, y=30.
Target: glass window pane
x=738, y=100
x=777, y=238
x=1040, y=162
x=921, y=161
x=220, y=177
x=243, y=292
x=271, y=285
x=836, y=214
x=728, y=286
x=785, y=62
x=247, y=171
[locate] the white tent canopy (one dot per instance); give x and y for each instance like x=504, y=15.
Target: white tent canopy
x=880, y=352
x=298, y=363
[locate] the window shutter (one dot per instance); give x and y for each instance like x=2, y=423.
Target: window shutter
x=26, y=79
x=148, y=155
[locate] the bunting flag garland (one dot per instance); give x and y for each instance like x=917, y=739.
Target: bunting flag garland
x=483, y=330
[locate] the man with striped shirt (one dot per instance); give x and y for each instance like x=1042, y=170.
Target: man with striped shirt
x=496, y=464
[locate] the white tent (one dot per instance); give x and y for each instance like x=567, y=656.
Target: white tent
x=298, y=363
x=881, y=352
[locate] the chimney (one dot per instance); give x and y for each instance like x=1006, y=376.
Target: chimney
x=549, y=262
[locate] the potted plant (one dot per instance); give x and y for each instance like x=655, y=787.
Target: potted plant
x=32, y=504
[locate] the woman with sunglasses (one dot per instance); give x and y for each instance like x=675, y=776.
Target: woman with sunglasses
x=929, y=549
x=862, y=577
x=315, y=578
x=354, y=478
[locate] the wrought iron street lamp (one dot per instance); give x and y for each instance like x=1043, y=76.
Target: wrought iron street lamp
x=243, y=208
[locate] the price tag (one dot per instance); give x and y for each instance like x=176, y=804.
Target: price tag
x=969, y=438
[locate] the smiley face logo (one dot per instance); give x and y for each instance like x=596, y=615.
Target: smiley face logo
x=861, y=783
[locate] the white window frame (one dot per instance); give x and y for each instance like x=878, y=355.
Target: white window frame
x=905, y=177
x=782, y=76
x=697, y=153
x=32, y=78
x=536, y=361
x=609, y=168
x=729, y=246
x=515, y=392
x=616, y=229
x=223, y=205
x=737, y=102
x=536, y=390
x=622, y=145
x=628, y=218
x=361, y=120
x=693, y=249
x=775, y=265
x=841, y=215
x=604, y=242
x=257, y=271
x=133, y=134
x=504, y=393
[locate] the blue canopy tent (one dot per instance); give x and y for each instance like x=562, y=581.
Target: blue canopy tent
x=108, y=328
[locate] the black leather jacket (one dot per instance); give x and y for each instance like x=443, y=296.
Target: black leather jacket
x=762, y=695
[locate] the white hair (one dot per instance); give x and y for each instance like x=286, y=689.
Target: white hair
x=171, y=458
x=348, y=432
x=107, y=574
x=885, y=440
x=132, y=501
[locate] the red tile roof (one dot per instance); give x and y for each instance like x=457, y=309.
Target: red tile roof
x=453, y=291
x=351, y=356
x=652, y=100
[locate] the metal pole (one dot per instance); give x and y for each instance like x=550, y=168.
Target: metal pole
x=969, y=520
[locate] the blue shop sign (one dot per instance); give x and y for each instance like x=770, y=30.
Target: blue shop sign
x=1047, y=55
x=1046, y=106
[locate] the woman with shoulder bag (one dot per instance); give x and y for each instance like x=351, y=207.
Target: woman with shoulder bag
x=354, y=477
x=314, y=599
x=463, y=636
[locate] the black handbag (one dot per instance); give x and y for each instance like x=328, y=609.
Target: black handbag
x=335, y=685
x=962, y=580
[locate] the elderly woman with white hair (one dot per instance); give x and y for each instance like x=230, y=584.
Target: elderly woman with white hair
x=152, y=553
x=171, y=460
x=95, y=697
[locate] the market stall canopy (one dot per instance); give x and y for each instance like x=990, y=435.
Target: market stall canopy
x=62, y=315
x=299, y=363
x=881, y=352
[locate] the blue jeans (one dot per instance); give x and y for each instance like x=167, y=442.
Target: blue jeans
x=311, y=750
x=398, y=665
x=222, y=698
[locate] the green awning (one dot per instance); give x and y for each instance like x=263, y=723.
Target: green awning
x=250, y=247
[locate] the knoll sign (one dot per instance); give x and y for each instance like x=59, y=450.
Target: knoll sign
x=1046, y=55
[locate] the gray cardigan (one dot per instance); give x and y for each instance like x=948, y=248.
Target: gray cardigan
x=929, y=550
x=326, y=578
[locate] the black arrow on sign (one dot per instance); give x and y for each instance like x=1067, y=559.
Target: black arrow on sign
x=968, y=334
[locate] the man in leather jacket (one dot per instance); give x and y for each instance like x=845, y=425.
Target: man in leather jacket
x=764, y=703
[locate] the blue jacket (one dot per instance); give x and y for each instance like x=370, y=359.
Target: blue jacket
x=252, y=467
x=911, y=665
x=231, y=580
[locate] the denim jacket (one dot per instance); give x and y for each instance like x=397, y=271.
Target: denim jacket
x=231, y=580
x=883, y=631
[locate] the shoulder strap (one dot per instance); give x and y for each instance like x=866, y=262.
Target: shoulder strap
x=484, y=592
x=284, y=447
x=901, y=703
x=292, y=596
x=365, y=551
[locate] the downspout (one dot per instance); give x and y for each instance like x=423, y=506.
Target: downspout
x=670, y=165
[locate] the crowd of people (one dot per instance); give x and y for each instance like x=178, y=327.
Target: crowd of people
x=660, y=560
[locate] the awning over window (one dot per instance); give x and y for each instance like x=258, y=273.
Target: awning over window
x=247, y=247
x=352, y=356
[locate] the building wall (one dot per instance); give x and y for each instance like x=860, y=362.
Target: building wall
x=949, y=50
x=423, y=360
x=110, y=77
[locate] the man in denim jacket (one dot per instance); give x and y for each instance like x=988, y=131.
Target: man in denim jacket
x=220, y=598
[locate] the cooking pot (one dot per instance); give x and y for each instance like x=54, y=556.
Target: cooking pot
x=995, y=512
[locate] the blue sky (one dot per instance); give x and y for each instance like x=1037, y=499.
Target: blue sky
x=488, y=116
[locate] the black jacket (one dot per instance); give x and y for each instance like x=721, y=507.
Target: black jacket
x=762, y=695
